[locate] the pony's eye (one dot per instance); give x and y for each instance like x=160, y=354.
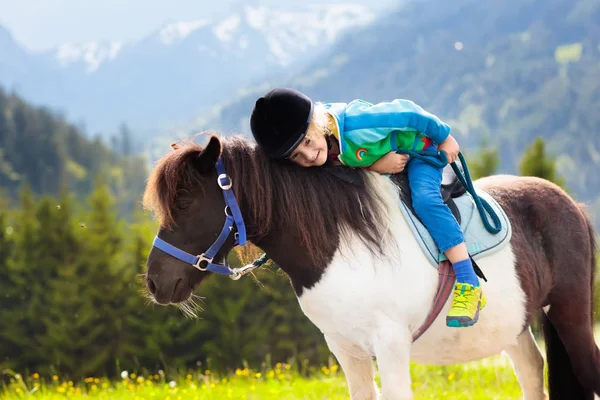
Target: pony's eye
x=183, y=204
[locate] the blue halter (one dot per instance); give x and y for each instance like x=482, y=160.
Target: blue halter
x=233, y=220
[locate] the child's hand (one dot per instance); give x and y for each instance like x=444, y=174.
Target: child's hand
x=391, y=163
x=451, y=147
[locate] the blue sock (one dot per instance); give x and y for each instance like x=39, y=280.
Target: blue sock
x=465, y=272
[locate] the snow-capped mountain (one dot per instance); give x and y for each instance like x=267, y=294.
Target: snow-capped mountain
x=184, y=66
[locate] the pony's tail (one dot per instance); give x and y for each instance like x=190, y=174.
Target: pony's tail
x=563, y=382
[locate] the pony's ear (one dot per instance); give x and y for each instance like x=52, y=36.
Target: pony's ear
x=207, y=159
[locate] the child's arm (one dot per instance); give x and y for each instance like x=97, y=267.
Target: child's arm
x=399, y=114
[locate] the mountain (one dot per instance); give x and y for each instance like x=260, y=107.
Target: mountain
x=504, y=72
x=178, y=70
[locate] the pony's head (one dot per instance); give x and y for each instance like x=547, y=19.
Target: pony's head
x=189, y=205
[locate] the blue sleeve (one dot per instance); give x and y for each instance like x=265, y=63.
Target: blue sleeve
x=398, y=114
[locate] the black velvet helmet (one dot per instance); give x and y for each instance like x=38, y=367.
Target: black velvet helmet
x=279, y=121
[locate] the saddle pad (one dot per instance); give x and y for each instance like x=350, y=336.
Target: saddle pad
x=479, y=241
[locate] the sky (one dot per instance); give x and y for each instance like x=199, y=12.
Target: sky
x=42, y=24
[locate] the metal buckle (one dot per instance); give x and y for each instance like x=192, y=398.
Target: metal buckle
x=226, y=186
x=229, y=214
x=200, y=259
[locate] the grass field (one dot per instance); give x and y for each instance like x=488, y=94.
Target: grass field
x=491, y=378
x=488, y=379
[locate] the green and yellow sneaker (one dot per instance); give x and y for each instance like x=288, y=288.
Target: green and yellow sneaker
x=467, y=302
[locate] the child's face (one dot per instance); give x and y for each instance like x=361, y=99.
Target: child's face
x=312, y=152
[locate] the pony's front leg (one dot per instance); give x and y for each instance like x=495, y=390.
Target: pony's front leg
x=392, y=349
x=357, y=366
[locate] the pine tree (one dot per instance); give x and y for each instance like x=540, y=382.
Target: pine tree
x=9, y=297
x=60, y=345
x=536, y=162
x=20, y=323
x=485, y=163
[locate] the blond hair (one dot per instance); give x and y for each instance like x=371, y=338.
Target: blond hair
x=320, y=123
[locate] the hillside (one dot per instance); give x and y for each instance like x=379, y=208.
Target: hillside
x=40, y=149
x=504, y=71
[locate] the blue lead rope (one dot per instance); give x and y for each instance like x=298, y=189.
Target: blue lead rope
x=440, y=160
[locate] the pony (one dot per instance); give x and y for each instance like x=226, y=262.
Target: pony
x=360, y=276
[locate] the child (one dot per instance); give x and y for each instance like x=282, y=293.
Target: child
x=287, y=124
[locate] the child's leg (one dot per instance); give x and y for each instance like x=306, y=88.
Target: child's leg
x=425, y=181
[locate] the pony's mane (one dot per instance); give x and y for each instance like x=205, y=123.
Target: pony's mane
x=277, y=196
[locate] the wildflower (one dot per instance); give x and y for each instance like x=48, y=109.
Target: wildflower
x=96, y=380
x=207, y=372
x=140, y=379
x=124, y=374
x=36, y=376
x=132, y=375
x=172, y=384
x=189, y=377
x=54, y=377
x=94, y=387
x=451, y=376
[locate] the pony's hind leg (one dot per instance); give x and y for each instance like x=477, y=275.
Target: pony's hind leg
x=528, y=365
x=357, y=366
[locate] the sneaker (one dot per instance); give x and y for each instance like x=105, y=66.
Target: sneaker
x=467, y=302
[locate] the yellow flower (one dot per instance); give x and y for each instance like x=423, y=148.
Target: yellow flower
x=207, y=372
x=288, y=366
x=325, y=370
x=18, y=390
x=189, y=377
x=96, y=380
x=278, y=365
x=451, y=376
x=94, y=387
x=70, y=383
x=334, y=367
x=258, y=375
x=132, y=375
x=88, y=380
x=36, y=376
x=140, y=379
x=54, y=378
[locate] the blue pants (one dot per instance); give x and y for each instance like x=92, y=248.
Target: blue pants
x=425, y=181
